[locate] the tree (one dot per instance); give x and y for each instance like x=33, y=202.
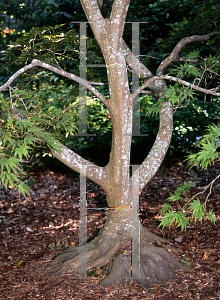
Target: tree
x=121, y=187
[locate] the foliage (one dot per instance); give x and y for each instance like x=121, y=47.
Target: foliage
x=186, y=130
x=207, y=153
x=97, y=144
x=192, y=209
x=187, y=102
x=60, y=37
x=169, y=21
x=53, y=104
x=20, y=134
x=23, y=15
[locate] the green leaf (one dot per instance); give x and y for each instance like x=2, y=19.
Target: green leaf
x=193, y=55
x=24, y=189
x=178, y=218
x=198, y=210
x=22, y=151
x=211, y=216
x=208, y=149
x=175, y=197
x=181, y=190
x=165, y=208
x=205, y=157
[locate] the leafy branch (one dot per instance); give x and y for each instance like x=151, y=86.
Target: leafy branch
x=192, y=209
x=208, y=149
x=37, y=63
x=18, y=138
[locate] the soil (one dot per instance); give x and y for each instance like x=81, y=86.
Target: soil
x=35, y=229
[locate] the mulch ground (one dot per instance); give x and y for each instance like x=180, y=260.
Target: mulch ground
x=35, y=229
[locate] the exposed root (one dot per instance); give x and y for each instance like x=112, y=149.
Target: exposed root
x=156, y=266
x=100, y=252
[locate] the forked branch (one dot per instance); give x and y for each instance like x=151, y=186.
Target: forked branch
x=118, y=16
x=135, y=64
x=148, y=82
x=184, y=41
x=92, y=11
x=155, y=157
x=37, y=63
x=75, y=162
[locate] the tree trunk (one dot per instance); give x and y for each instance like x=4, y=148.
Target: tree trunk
x=112, y=248
x=114, y=242
x=122, y=232
x=156, y=265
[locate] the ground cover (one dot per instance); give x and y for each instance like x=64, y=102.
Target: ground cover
x=35, y=229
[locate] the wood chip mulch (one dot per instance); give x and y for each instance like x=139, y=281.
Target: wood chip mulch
x=35, y=229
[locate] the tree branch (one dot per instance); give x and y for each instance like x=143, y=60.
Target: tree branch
x=147, y=92
x=195, y=61
x=154, y=159
x=192, y=86
x=75, y=161
x=96, y=83
x=148, y=82
x=173, y=55
x=37, y=63
x=95, y=18
x=139, y=68
x=118, y=16
x=92, y=11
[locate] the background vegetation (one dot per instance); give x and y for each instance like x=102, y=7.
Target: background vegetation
x=49, y=105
